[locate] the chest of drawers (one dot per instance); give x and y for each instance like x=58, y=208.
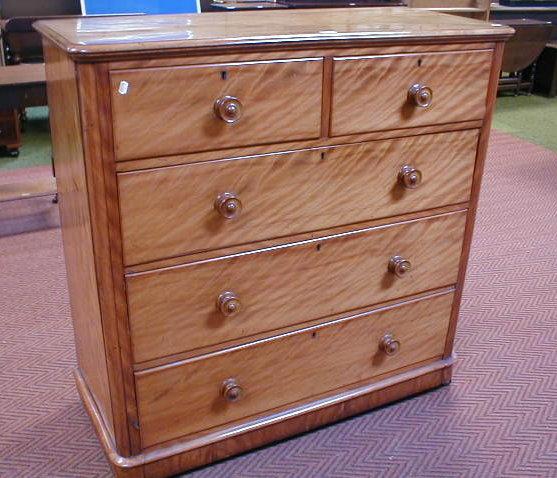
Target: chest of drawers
x=266, y=217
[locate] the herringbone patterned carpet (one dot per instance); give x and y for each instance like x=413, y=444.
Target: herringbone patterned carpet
x=497, y=419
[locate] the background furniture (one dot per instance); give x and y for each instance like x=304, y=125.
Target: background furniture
x=21, y=86
x=547, y=14
x=103, y=7
x=521, y=53
x=546, y=77
x=529, y=3
x=220, y=304
x=469, y=8
x=24, y=86
x=21, y=42
x=238, y=5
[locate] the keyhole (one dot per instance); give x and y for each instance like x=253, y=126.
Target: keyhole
x=420, y=62
x=224, y=75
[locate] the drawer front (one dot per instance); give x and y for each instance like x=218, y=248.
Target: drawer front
x=171, y=211
x=163, y=111
x=199, y=394
x=215, y=301
x=373, y=93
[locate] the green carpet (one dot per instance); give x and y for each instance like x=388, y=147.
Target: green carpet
x=35, y=149
x=533, y=118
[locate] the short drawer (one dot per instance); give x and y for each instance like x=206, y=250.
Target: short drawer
x=174, y=211
x=164, y=111
x=228, y=386
x=385, y=92
x=219, y=300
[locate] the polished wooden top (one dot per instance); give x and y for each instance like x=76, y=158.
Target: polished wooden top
x=113, y=36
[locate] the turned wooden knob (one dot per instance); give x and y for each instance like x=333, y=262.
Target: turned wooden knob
x=231, y=390
x=409, y=177
x=229, y=304
x=389, y=345
x=420, y=95
x=228, y=205
x=228, y=109
x=399, y=266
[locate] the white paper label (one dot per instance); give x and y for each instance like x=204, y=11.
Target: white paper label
x=123, y=88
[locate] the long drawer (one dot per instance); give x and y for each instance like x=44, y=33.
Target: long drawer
x=227, y=386
x=383, y=92
x=227, y=298
x=163, y=111
x=173, y=211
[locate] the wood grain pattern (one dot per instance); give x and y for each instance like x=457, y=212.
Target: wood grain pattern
x=314, y=159
x=371, y=94
x=330, y=50
x=185, y=398
x=189, y=34
x=290, y=146
x=173, y=262
x=103, y=196
x=281, y=101
x=170, y=212
x=161, y=361
x=75, y=219
x=175, y=310
x=176, y=456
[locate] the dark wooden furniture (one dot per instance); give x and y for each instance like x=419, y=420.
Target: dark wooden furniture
x=528, y=3
x=21, y=86
x=266, y=217
x=10, y=132
x=521, y=53
x=544, y=14
x=546, y=77
x=239, y=5
x=21, y=42
x=467, y=8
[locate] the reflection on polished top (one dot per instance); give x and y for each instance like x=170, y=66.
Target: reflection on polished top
x=111, y=35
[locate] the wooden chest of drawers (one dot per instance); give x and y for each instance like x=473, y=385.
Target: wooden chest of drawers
x=266, y=217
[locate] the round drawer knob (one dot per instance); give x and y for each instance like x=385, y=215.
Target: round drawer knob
x=399, y=266
x=229, y=304
x=389, y=345
x=409, y=177
x=231, y=390
x=420, y=95
x=228, y=205
x=228, y=109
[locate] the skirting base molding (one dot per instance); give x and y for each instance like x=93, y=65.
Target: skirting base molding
x=195, y=451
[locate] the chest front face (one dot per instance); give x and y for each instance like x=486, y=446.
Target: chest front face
x=278, y=233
